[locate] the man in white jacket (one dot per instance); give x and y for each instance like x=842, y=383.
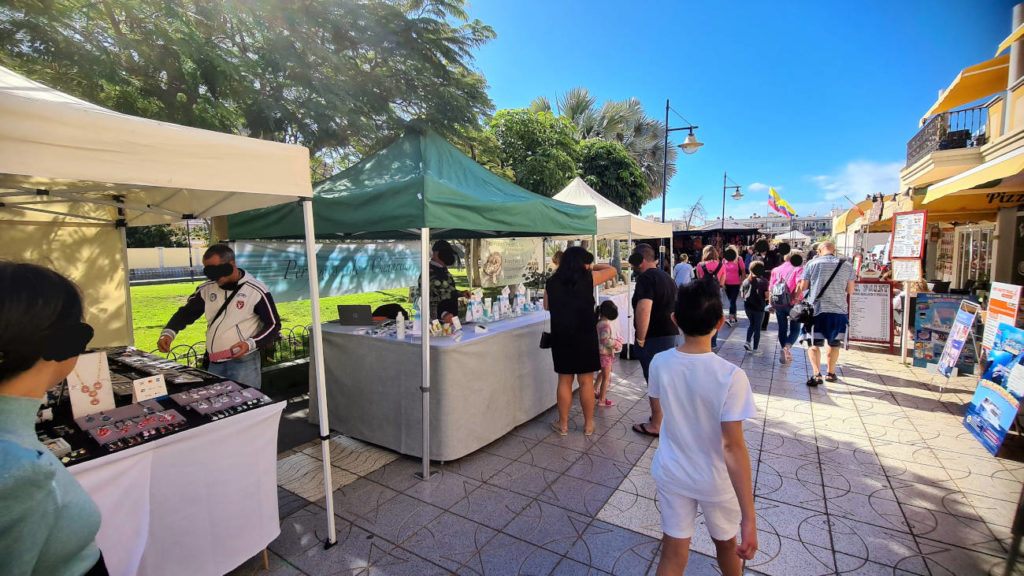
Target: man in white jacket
x=240, y=314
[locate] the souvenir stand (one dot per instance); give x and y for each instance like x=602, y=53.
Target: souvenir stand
x=72, y=176
x=423, y=187
x=616, y=223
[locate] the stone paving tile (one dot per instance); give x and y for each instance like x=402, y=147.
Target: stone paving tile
x=874, y=474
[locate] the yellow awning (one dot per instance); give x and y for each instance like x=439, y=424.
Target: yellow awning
x=973, y=83
x=1005, y=166
x=1016, y=35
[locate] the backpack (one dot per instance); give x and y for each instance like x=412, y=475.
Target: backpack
x=780, y=296
x=746, y=289
x=711, y=276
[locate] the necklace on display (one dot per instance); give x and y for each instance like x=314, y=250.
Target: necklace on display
x=97, y=385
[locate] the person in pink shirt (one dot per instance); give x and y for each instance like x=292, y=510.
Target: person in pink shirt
x=734, y=273
x=789, y=272
x=712, y=267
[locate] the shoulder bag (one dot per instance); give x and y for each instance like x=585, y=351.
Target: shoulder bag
x=803, y=311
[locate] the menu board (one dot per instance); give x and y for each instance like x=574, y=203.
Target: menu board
x=871, y=312
x=937, y=317
x=1004, y=299
x=908, y=231
x=906, y=270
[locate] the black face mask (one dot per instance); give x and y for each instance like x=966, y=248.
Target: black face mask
x=217, y=272
x=68, y=342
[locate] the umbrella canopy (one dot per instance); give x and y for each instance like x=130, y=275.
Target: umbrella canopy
x=613, y=221
x=420, y=181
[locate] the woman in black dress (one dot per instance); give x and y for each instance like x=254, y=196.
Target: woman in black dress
x=569, y=295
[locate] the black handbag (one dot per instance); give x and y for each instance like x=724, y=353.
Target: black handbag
x=545, y=340
x=803, y=311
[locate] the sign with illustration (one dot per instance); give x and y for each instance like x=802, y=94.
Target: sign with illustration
x=997, y=398
x=942, y=325
x=505, y=261
x=908, y=234
x=343, y=268
x=1003, y=302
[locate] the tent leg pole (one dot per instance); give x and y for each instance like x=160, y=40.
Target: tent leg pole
x=425, y=321
x=629, y=295
x=129, y=327
x=317, y=357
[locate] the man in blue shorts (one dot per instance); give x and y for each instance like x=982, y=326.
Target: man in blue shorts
x=830, y=308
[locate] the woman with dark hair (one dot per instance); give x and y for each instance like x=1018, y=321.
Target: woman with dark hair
x=787, y=277
x=569, y=295
x=734, y=272
x=48, y=522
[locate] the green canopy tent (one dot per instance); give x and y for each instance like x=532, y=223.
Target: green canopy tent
x=419, y=186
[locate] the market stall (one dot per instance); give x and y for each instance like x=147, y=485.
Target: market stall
x=617, y=223
x=74, y=175
x=420, y=187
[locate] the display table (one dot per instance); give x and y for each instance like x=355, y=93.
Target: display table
x=624, y=323
x=199, y=502
x=482, y=387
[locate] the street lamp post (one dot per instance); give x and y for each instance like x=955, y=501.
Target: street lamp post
x=735, y=196
x=689, y=146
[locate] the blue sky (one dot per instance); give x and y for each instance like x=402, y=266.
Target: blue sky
x=816, y=99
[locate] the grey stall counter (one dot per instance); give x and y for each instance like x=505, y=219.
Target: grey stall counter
x=481, y=387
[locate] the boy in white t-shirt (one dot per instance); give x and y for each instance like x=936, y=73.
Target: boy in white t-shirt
x=702, y=457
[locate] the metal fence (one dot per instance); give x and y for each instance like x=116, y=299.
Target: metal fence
x=291, y=345
x=170, y=273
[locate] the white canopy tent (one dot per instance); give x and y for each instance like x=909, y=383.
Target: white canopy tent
x=794, y=235
x=612, y=221
x=73, y=175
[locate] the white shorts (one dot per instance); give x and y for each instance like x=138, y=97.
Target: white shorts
x=679, y=514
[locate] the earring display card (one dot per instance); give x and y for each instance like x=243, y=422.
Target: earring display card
x=149, y=388
x=196, y=394
x=89, y=385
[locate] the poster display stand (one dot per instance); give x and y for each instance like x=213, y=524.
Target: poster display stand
x=870, y=308
x=997, y=399
x=937, y=319
x=956, y=338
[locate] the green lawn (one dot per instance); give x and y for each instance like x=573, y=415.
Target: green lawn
x=153, y=306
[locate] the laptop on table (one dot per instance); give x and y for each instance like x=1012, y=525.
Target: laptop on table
x=355, y=315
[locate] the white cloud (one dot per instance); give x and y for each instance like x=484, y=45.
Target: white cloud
x=758, y=187
x=860, y=178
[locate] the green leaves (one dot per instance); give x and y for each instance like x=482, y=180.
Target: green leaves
x=338, y=76
x=541, y=149
x=609, y=170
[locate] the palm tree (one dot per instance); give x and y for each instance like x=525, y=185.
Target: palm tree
x=623, y=122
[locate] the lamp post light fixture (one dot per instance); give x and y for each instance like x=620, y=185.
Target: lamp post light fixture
x=689, y=146
x=735, y=196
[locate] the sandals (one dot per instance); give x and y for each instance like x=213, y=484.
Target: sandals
x=606, y=403
x=561, y=432
x=814, y=380
x=641, y=428
x=588, y=432
x=831, y=377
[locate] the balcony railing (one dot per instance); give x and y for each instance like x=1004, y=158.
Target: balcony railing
x=949, y=131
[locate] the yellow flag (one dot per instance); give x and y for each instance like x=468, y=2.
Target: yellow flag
x=779, y=205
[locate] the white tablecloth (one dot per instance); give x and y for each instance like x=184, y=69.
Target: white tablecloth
x=624, y=323
x=199, y=502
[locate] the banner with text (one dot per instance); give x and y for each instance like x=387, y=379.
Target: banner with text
x=507, y=261
x=349, y=268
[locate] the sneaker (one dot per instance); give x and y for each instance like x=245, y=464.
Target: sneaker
x=748, y=347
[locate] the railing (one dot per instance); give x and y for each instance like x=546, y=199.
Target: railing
x=949, y=131
x=172, y=272
x=293, y=344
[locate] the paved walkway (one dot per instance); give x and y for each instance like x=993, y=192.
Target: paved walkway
x=871, y=475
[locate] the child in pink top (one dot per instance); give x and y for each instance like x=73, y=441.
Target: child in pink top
x=608, y=344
